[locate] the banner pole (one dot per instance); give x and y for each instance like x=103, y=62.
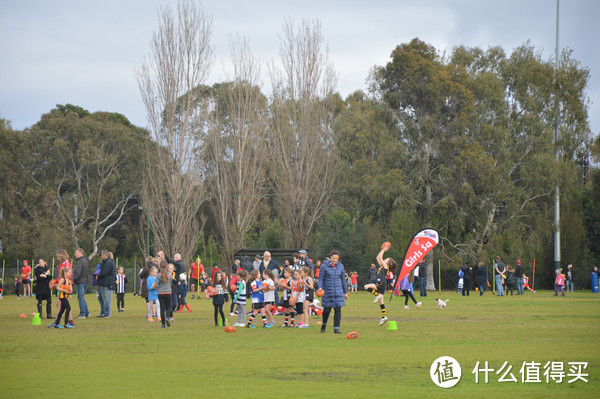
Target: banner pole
x=3, y=264
x=134, y=274
x=53, y=268
x=533, y=277
x=440, y=276
x=198, y=273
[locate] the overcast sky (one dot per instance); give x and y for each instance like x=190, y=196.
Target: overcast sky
x=86, y=52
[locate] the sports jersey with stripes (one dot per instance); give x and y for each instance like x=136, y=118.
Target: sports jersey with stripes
x=121, y=280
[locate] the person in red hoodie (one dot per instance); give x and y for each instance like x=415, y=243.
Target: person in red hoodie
x=215, y=269
x=194, y=273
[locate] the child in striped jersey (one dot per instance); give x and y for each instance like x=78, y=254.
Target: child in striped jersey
x=240, y=297
x=269, y=294
x=120, y=284
x=309, y=289
x=258, y=301
x=286, y=285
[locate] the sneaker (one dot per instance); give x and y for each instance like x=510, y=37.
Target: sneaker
x=193, y=296
x=80, y=317
x=268, y=326
x=405, y=307
x=303, y=326
x=250, y=326
x=382, y=321
x=168, y=324
x=58, y=326
x=150, y=319
x=163, y=326
x=52, y=325
x=336, y=330
x=87, y=315
x=418, y=305
x=284, y=326
x=377, y=298
x=323, y=326
x=231, y=314
x=100, y=316
x=70, y=326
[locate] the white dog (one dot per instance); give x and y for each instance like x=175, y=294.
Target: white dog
x=441, y=304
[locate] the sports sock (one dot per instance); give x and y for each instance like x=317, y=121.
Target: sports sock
x=373, y=291
x=382, y=310
x=264, y=319
x=292, y=319
x=250, y=319
x=287, y=318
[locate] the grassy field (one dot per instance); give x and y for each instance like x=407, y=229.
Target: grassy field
x=126, y=356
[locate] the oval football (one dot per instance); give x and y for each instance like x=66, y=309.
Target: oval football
x=230, y=329
x=352, y=335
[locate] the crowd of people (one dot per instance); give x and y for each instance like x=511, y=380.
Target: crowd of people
x=291, y=289
x=508, y=279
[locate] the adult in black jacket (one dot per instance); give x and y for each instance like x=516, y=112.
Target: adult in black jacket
x=81, y=278
x=42, y=287
x=179, y=269
x=467, y=270
x=482, y=278
x=423, y=278
x=519, y=271
x=372, y=273
x=106, y=282
x=247, y=265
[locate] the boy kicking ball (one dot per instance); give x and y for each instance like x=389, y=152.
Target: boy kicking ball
x=378, y=287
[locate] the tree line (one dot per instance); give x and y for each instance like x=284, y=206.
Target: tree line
x=459, y=141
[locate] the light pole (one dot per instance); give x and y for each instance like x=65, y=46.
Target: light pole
x=557, y=154
x=147, y=228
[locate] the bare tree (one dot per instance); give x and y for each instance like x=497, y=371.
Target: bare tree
x=301, y=140
x=179, y=62
x=236, y=143
x=90, y=206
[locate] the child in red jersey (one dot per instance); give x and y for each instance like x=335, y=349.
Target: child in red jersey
x=354, y=280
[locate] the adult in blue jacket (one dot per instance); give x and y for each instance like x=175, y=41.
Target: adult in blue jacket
x=332, y=280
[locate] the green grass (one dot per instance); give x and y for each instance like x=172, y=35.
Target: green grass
x=126, y=356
